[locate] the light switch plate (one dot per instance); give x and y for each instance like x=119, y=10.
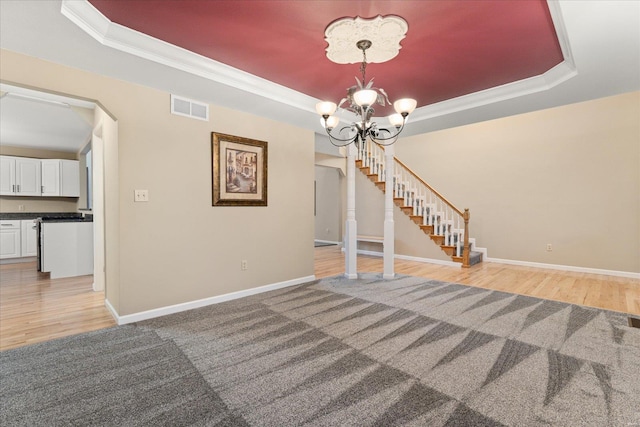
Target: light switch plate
x=141, y=195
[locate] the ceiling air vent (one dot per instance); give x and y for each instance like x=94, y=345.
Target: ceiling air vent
x=189, y=108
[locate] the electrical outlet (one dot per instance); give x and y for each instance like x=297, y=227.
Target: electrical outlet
x=549, y=247
x=21, y=208
x=141, y=195
x=244, y=265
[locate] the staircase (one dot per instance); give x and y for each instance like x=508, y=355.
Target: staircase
x=446, y=225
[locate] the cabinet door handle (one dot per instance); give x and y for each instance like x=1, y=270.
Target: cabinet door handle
x=13, y=188
x=42, y=188
x=18, y=188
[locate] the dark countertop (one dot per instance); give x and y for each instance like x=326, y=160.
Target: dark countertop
x=48, y=216
x=74, y=219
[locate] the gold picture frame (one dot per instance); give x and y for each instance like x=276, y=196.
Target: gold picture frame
x=239, y=170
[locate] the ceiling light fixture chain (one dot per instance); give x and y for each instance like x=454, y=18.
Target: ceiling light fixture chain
x=363, y=45
x=361, y=99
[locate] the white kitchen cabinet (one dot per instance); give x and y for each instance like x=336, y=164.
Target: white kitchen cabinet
x=50, y=171
x=7, y=176
x=60, y=178
x=10, y=239
x=19, y=176
x=28, y=238
x=69, y=178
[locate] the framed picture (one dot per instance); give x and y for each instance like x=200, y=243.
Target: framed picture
x=239, y=171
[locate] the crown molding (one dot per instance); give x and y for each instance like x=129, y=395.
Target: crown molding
x=124, y=39
x=558, y=74
x=116, y=36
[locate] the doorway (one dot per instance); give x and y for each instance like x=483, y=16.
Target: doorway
x=99, y=153
x=328, y=206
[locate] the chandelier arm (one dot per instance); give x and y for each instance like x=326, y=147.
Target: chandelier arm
x=339, y=142
x=392, y=137
x=386, y=141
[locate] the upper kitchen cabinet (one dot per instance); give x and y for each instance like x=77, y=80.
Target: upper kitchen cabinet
x=19, y=176
x=60, y=178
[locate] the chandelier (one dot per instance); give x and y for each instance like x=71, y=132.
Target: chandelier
x=360, y=100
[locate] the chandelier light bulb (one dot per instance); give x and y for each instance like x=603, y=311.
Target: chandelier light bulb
x=365, y=97
x=326, y=108
x=396, y=120
x=405, y=106
x=332, y=122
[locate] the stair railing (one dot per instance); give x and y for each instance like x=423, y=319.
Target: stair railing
x=446, y=220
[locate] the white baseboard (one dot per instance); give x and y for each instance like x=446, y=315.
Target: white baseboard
x=483, y=251
x=177, y=308
x=628, y=274
x=327, y=241
x=412, y=258
x=112, y=310
x=429, y=260
x=17, y=260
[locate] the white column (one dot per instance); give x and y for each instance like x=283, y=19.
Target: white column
x=351, y=226
x=388, y=217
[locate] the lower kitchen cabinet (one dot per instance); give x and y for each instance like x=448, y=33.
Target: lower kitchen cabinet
x=10, y=239
x=28, y=238
x=18, y=238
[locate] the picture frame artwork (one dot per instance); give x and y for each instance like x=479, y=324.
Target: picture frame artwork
x=239, y=170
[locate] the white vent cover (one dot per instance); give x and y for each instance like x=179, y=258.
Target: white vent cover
x=189, y=108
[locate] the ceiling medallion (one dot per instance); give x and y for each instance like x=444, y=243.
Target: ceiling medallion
x=385, y=34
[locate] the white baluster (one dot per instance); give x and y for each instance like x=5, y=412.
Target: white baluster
x=450, y=228
x=395, y=185
x=427, y=209
x=432, y=211
x=425, y=218
x=458, y=242
x=446, y=228
x=405, y=186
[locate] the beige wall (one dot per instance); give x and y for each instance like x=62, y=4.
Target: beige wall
x=328, y=219
x=177, y=247
x=568, y=176
x=37, y=204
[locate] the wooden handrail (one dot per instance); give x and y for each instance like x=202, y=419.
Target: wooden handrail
x=429, y=187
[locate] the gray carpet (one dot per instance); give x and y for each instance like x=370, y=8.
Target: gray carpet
x=370, y=352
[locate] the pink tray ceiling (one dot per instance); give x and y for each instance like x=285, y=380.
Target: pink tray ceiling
x=452, y=48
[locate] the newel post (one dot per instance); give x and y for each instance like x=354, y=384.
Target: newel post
x=465, y=249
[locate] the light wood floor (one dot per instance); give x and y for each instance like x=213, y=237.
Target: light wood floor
x=34, y=308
